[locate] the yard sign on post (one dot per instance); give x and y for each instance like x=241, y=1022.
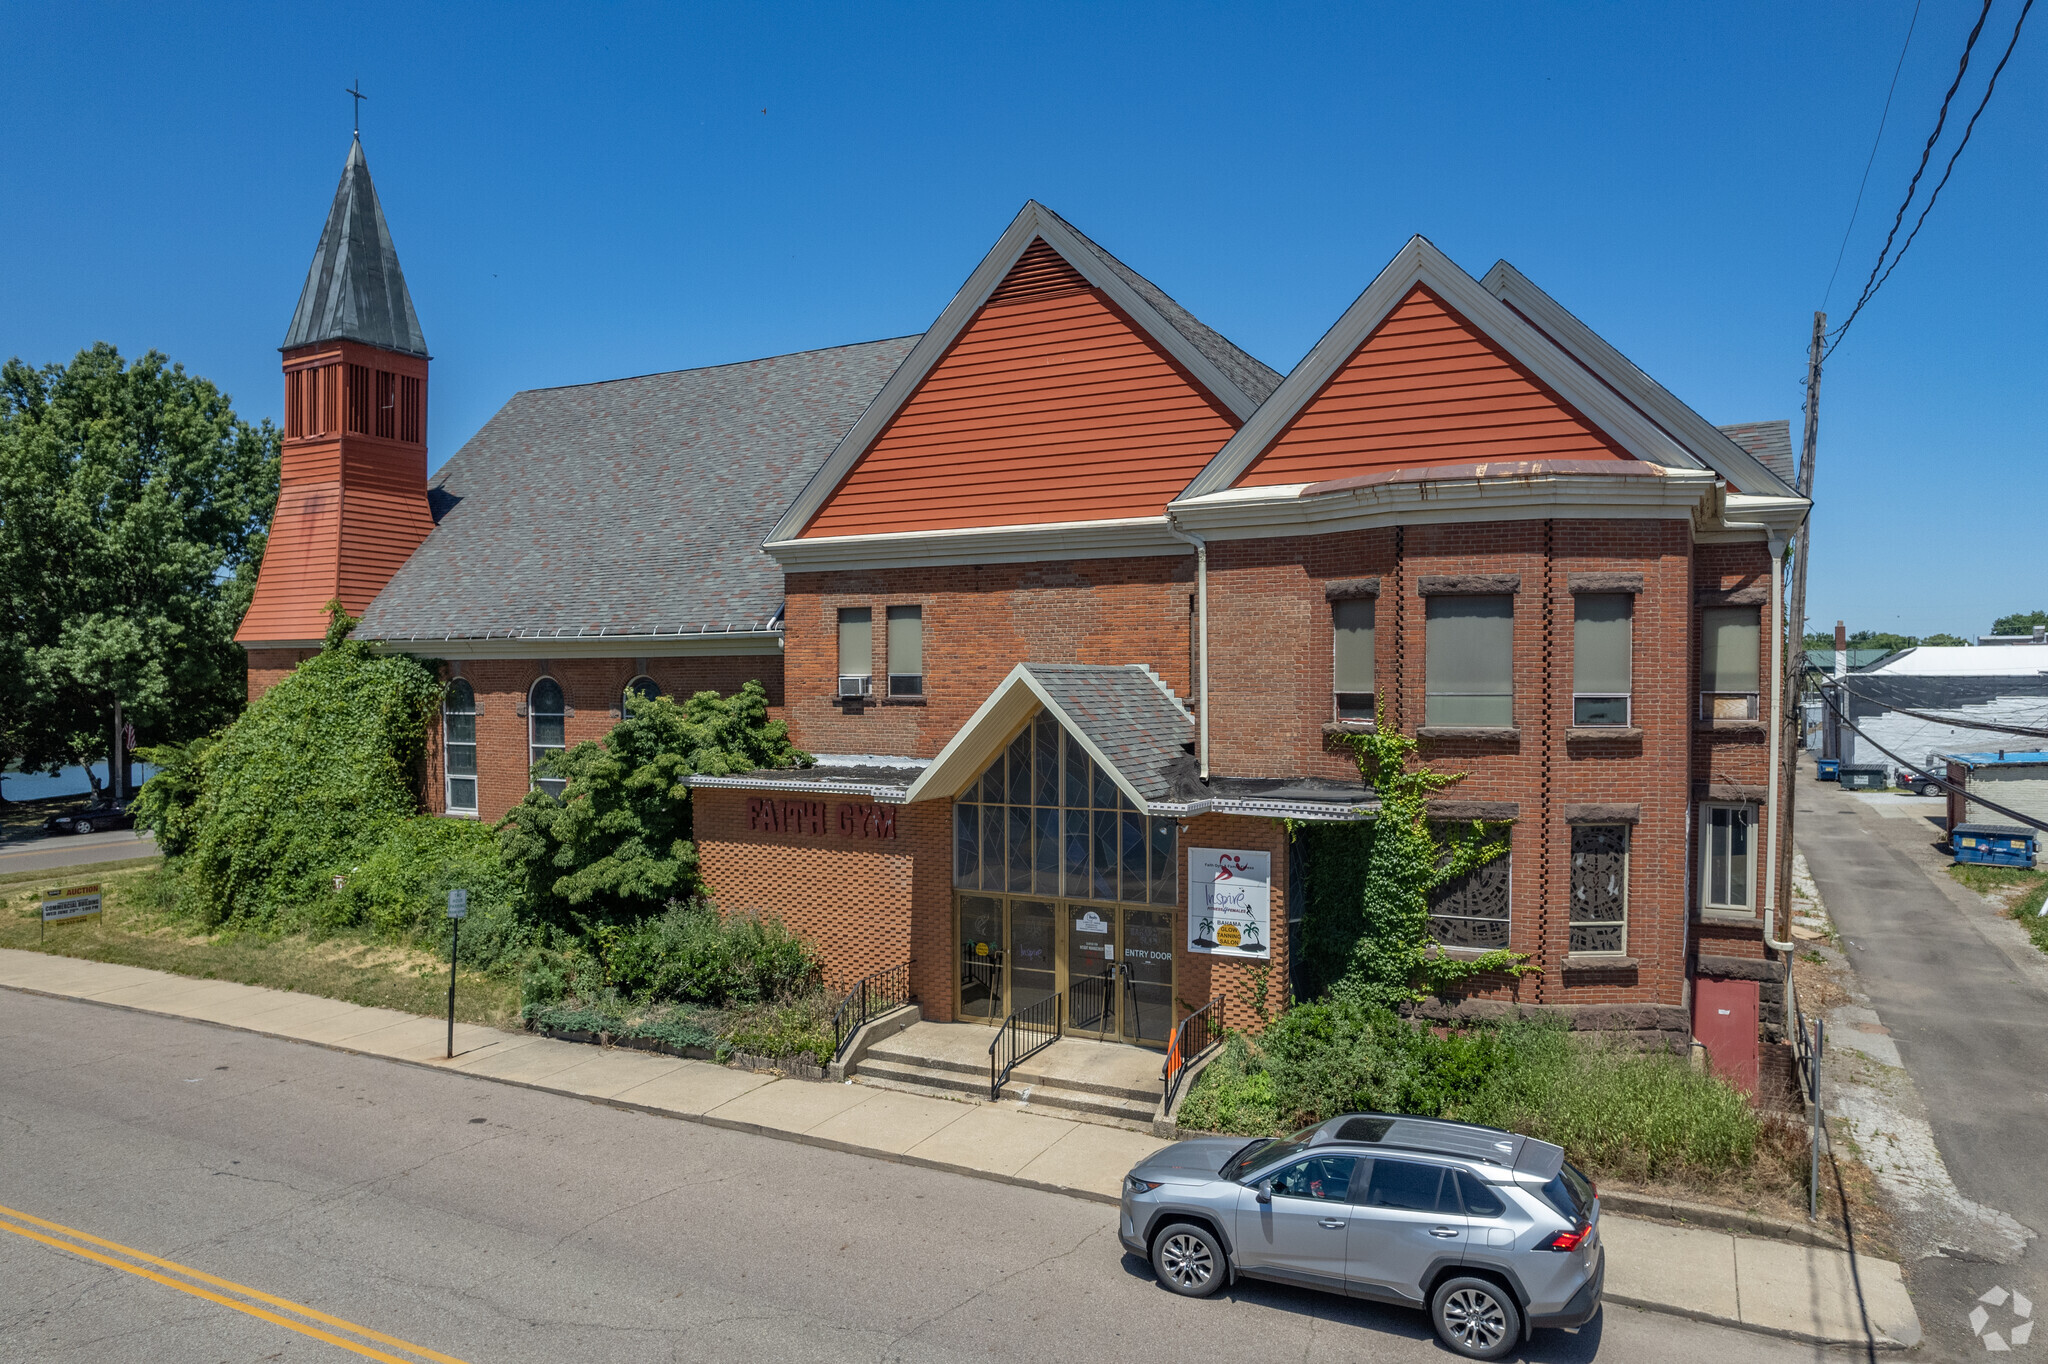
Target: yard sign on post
x=73, y=902
x=458, y=910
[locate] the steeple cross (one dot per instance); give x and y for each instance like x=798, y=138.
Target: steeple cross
x=355, y=92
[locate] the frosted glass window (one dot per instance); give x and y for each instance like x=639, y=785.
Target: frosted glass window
x=1351, y=665
x=1602, y=628
x=1470, y=652
x=856, y=641
x=905, y=645
x=1731, y=640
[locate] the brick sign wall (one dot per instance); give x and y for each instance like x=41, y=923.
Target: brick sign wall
x=819, y=818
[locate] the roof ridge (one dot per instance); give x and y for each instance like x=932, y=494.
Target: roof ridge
x=723, y=364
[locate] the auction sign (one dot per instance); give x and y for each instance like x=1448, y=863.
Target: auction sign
x=73, y=902
x=1230, y=902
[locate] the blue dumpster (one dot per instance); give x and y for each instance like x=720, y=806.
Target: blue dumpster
x=1830, y=768
x=1994, y=845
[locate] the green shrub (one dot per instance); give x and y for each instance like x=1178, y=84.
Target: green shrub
x=691, y=952
x=799, y=1028
x=679, y=1026
x=1234, y=1093
x=399, y=891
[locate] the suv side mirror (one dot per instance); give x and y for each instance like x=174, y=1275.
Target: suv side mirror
x=1265, y=1191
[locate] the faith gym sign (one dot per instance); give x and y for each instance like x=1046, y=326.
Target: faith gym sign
x=818, y=818
x=1230, y=903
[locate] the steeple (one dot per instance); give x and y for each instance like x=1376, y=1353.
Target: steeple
x=352, y=481
x=355, y=290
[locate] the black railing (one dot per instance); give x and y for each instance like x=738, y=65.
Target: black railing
x=1190, y=1040
x=873, y=995
x=1024, y=1034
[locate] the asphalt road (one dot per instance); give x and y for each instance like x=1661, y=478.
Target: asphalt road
x=484, y=1222
x=74, y=850
x=1965, y=997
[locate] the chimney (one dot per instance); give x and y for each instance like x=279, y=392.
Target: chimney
x=1841, y=649
x=352, y=494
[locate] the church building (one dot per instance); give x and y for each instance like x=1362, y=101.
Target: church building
x=1076, y=603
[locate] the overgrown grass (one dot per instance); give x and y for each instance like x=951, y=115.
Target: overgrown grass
x=1619, y=1113
x=2021, y=892
x=141, y=928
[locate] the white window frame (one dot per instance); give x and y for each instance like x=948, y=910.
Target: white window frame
x=554, y=786
x=448, y=778
x=1706, y=861
x=853, y=685
x=1746, y=701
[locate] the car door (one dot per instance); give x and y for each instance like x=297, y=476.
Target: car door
x=1300, y=1233
x=1406, y=1216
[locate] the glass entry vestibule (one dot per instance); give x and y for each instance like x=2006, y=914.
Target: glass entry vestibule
x=1063, y=886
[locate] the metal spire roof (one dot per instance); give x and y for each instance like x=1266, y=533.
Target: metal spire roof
x=355, y=290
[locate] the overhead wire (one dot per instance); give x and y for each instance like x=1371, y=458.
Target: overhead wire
x=1944, y=783
x=1881, y=271
x=1875, y=142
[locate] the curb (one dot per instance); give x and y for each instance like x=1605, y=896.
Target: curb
x=1876, y=1340
x=1719, y=1219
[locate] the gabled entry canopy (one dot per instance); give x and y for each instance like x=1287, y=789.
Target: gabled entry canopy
x=1057, y=387
x=1428, y=368
x=1131, y=728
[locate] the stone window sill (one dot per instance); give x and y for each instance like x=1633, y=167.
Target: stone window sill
x=1598, y=961
x=1349, y=727
x=1728, y=916
x=1611, y=733
x=1728, y=726
x=1489, y=732
x=903, y=700
x=1465, y=953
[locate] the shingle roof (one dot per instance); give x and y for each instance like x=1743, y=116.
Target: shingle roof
x=1770, y=442
x=1255, y=379
x=355, y=290
x=634, y=507
x=1127, y=713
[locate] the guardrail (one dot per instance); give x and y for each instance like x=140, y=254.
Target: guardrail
x=1190, y=1040
x=1023, y=1035
x=872, y=995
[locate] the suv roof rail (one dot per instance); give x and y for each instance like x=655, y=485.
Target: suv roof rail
x=1444, y=1136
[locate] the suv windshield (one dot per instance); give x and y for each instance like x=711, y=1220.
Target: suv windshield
x=1263, y=1152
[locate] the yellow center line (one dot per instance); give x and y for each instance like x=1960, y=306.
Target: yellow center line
x=229, y=1284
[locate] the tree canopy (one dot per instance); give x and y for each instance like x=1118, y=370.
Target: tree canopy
x=133, y=503
x=2019, y=623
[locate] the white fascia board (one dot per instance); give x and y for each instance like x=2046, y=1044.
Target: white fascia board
x=1123, y=538
x=798, y=785
x=1420, y=262
x=1252, y=807
x=1032, y=222
x=1243, y=514
x=715, y=644
x=1783, y=516
x=1712, y=446
x=991, y=728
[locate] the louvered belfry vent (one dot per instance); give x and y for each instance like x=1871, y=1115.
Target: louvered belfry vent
x=1040, y=272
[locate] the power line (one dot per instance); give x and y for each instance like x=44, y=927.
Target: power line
x=1874, y=143
x=1875, y=282
x=1943, y=782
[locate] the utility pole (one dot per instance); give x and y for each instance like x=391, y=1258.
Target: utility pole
x=1795, y=616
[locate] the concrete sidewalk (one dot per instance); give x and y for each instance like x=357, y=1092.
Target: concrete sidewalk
x=1773, y=1287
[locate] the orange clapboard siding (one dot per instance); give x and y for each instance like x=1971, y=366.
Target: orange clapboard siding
x=1050, y=406
x=1427, y=387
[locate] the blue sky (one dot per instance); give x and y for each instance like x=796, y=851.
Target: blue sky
x=582, y=193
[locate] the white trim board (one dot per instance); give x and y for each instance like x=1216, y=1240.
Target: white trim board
x=1126, y=538
x=719, y=645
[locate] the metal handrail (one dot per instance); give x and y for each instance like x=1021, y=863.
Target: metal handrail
x=869, y=997
x=1023, y=1035
x=1092, y=1000
x=1188, y=1042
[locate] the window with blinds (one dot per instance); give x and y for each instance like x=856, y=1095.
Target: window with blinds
x=1731, y=647
x=905, y=649
x=856, y=651
x=1602, y=628
x=1470, y=652
x=1352, y=625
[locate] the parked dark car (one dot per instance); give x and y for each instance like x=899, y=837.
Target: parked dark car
x=1919, y=783
x=108, y=813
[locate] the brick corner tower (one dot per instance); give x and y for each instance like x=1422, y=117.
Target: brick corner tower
x=352, y=494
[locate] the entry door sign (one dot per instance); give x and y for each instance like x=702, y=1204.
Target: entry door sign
x=1230, y=902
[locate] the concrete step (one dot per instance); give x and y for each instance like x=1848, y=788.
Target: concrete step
x=1032, y=1073
x=954, y=1082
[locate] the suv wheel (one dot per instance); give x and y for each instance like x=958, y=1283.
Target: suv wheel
x=1188, y=1260
x=1477, y=1318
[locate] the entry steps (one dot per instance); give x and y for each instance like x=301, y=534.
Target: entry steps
x=1098, y=1081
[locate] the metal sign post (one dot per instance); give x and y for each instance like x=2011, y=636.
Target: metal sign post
x=458, y=910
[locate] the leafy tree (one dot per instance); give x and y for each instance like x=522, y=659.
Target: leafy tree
x=615, y=845
x=1871, y=639
x=132, y=508
x=1943, y=641
x=2019, y=623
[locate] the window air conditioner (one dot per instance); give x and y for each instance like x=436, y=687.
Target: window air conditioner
x=855, y=687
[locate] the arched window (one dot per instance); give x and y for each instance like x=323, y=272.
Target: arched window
x=458, y=746
x=641, y=688
x=545, y=715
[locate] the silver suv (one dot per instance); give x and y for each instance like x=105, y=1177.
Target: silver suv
x=1491, y=1233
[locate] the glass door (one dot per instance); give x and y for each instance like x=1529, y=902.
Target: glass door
x=1034, y=973
x=980, y=958
x=1148, y=962
x=1091, y=969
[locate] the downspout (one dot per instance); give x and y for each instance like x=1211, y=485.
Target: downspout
x=1201, y=637
x=1775, y=545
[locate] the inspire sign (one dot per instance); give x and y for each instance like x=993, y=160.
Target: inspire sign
x=1230, y=902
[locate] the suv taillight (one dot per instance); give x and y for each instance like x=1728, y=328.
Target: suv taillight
x=1566, y=1240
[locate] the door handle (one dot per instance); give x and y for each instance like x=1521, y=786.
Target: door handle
x=1331, y=1222
x=1445, y=1232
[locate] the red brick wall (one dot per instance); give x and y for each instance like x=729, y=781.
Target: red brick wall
x=593, y=688
x=268, y=667
x=1197, y=975
x=980, y=621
